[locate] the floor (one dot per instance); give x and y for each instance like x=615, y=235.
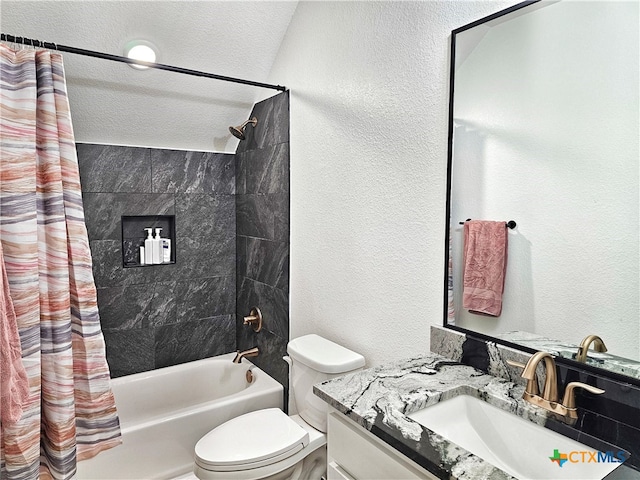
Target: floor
x=186, y=476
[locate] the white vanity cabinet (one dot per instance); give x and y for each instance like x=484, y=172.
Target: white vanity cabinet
x=353, y=453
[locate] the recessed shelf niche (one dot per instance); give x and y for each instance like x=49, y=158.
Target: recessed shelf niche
x=134, y=235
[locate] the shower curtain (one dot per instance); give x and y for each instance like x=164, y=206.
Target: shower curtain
x=70, y=413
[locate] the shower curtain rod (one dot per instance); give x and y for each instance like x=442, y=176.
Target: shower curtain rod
x=116, y=58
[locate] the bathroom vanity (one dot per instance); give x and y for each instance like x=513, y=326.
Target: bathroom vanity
x=373, y=434
x=353, y=452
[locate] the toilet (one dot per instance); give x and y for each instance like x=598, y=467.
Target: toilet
x=268, y=444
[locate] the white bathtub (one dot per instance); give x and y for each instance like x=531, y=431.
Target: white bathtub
x=163, y=413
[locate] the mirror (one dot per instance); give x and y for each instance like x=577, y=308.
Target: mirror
x=544, y=130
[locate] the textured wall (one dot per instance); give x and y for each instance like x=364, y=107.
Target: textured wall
x=262, y=221
x=369, y=106
x=162, y=315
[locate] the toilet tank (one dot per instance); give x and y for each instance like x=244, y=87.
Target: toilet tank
x=315, y=359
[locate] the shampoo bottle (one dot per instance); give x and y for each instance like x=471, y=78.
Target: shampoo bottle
x=148, y=247
x=166, y=250
x=157, y=247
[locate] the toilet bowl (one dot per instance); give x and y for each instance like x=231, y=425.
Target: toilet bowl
x=268, y=444
x=239, y=449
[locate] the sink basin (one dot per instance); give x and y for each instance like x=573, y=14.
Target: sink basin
x=515, y=445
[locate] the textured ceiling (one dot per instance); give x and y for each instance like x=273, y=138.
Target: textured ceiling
x=114, y=103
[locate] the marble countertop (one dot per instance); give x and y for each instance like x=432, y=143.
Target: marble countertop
x=379, y=399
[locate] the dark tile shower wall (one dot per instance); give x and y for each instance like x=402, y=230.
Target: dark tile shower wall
x=162, y=315
x=262, y=241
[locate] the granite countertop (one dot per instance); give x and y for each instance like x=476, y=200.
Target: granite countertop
x=379, y=399
x=608, y=361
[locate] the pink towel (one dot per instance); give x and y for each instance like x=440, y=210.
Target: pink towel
x=14, y=384
x=485, y=263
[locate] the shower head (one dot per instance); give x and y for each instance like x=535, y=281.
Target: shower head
x=238, y=131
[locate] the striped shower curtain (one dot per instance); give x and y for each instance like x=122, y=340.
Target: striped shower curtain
x=70, y=413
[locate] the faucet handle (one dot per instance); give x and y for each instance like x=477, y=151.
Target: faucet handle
x=254, y=319
x=513, y=363
x=569, y=400
x=532, y=384
x=522, y=366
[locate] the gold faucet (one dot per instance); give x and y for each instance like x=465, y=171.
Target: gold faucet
x=598, y=346
x=254, y=319
x=549, y=398
x=252, y=352
x=532, y=391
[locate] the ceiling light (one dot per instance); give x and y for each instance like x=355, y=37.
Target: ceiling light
x=140, y=50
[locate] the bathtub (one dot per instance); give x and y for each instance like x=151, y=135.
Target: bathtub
x=163, y=413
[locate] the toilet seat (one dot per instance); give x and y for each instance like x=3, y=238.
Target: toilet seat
x=252, y=440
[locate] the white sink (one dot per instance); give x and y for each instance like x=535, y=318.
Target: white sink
x=513, y=444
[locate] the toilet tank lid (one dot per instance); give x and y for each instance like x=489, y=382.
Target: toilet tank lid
x=323, y=355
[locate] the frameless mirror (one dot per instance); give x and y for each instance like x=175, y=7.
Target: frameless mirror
x=545, y=131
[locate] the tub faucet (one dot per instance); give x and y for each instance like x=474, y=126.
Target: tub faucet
x=598, y=346
x=252, y=352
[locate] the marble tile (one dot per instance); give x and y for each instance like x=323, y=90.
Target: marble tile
x=273, y=303
x=263, y=216
x=246, y=338
x=202, y=215
x=131, y=251
x=186, y=301
x=107, y=265
x=263, y=171
x=262, y=225
x=214, y=256
x=169, y=309
x=178, y=171
x=124, y=308
x=254, y=216
x=205, y=297
x=129, y=351
x=272, y=348
x=164, y=305
x=134, y=227
x=114, y=169
x=103, y=211
x=241, y=256
x=109, y=272
x=185, y=342
x=195, y=258
x=268, y=262
x=241, y=177
x=273, y=124
x=281, y=208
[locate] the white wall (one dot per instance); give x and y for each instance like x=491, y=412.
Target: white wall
x=369, y=93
